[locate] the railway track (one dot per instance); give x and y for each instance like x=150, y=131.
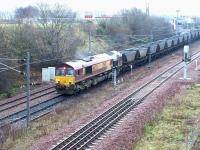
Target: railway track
x=84, y=137
x=15, y=109
x=23, y=96
x=36, y=111
x=17, y=102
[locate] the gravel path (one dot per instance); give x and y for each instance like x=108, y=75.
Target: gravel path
x=134, y=125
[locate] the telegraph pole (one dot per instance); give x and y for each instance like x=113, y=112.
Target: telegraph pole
x=149, y=55
x=114, y=70
x=27, y=74
x=88, y=18
x=147, y=8
x=186, y=59
x=89, y=39
x=28, y=88
x=177, y=18
x=152, y=36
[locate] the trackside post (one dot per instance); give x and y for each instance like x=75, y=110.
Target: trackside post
x=28, y=88
x=186, y=59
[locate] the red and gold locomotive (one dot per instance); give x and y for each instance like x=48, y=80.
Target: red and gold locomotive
x=77, y=75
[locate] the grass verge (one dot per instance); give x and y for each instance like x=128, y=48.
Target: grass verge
x=172, y=128
x=11, y=92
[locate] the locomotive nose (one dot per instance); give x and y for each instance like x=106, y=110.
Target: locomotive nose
x=57, y=81
x=65, y=80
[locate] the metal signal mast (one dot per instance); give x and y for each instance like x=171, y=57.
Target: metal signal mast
x=27, y=74
x=147, y=7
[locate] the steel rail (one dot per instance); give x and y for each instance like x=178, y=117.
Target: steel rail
x=12, y=105
x=20, y=115
x=24, y=96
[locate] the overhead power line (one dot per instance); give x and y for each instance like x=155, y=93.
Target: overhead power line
x=34, y=62
x=5, y=53
x=8, y=59
x=11, y=68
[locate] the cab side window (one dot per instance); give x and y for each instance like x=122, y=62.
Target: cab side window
x=78, y=72
x=88, y=70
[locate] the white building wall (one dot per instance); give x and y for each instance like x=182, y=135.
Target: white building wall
x=45, y=75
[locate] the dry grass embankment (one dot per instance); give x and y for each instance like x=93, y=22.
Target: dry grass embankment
x=173, y=128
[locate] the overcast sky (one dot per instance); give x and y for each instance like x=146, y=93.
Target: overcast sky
x=158, y=7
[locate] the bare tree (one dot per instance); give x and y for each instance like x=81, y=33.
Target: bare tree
x=57, y=34
x=53, y=35
x=26, y=12
x=131, y=22
x=8, y=78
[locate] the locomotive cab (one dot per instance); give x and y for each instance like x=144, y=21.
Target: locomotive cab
x=65, y=76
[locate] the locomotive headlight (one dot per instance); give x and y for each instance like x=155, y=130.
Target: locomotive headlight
x=57, y=81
